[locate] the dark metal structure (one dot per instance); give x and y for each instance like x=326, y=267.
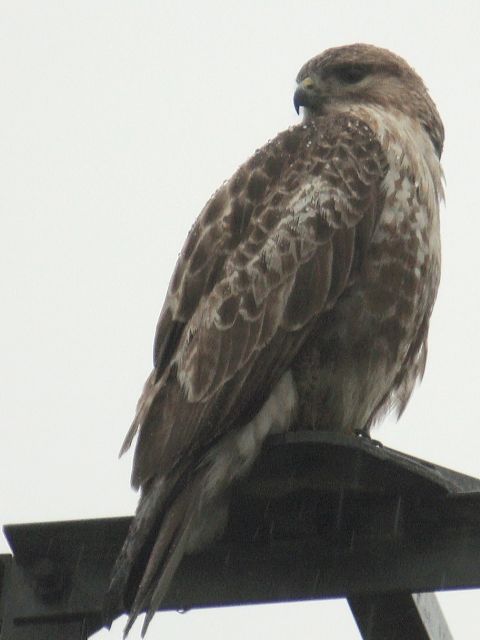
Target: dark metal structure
x=320, y=516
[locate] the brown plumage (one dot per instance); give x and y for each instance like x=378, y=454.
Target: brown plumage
x=301, y=299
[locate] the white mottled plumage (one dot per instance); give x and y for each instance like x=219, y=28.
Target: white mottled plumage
x=233, y=457
x=301, y=299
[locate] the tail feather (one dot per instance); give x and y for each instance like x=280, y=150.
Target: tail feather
x=148, y=512
x=175, y=555
x=164, y=558
x=154, y=547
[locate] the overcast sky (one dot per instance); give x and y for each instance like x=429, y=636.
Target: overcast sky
x=118, y=120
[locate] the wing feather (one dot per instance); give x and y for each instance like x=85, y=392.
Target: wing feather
x=274, y=248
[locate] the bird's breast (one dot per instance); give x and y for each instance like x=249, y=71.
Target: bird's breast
x=361, y=351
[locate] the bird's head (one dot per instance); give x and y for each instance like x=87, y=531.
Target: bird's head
x=342, y=77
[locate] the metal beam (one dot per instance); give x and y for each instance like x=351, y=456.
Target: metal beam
x=398, y=616
x=319, y=517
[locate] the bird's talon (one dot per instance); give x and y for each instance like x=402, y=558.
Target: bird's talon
x=362, y=433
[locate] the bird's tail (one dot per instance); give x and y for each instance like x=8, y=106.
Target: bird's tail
x=155, y=544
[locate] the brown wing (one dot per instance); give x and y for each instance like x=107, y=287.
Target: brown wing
x=275, y=247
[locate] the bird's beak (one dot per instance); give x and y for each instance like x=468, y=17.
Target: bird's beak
x=303, y=94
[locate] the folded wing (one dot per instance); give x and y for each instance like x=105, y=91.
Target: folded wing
x=274, y=248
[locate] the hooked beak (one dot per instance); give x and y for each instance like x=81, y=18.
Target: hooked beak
x=303, y=96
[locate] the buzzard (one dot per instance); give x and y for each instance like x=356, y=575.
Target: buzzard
x=301, y=299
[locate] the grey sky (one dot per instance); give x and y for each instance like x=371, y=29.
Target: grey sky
x=118, y=121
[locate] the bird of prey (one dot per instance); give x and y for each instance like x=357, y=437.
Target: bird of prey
x=301, y=299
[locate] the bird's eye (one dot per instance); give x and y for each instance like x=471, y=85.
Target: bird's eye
x=352, y=73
